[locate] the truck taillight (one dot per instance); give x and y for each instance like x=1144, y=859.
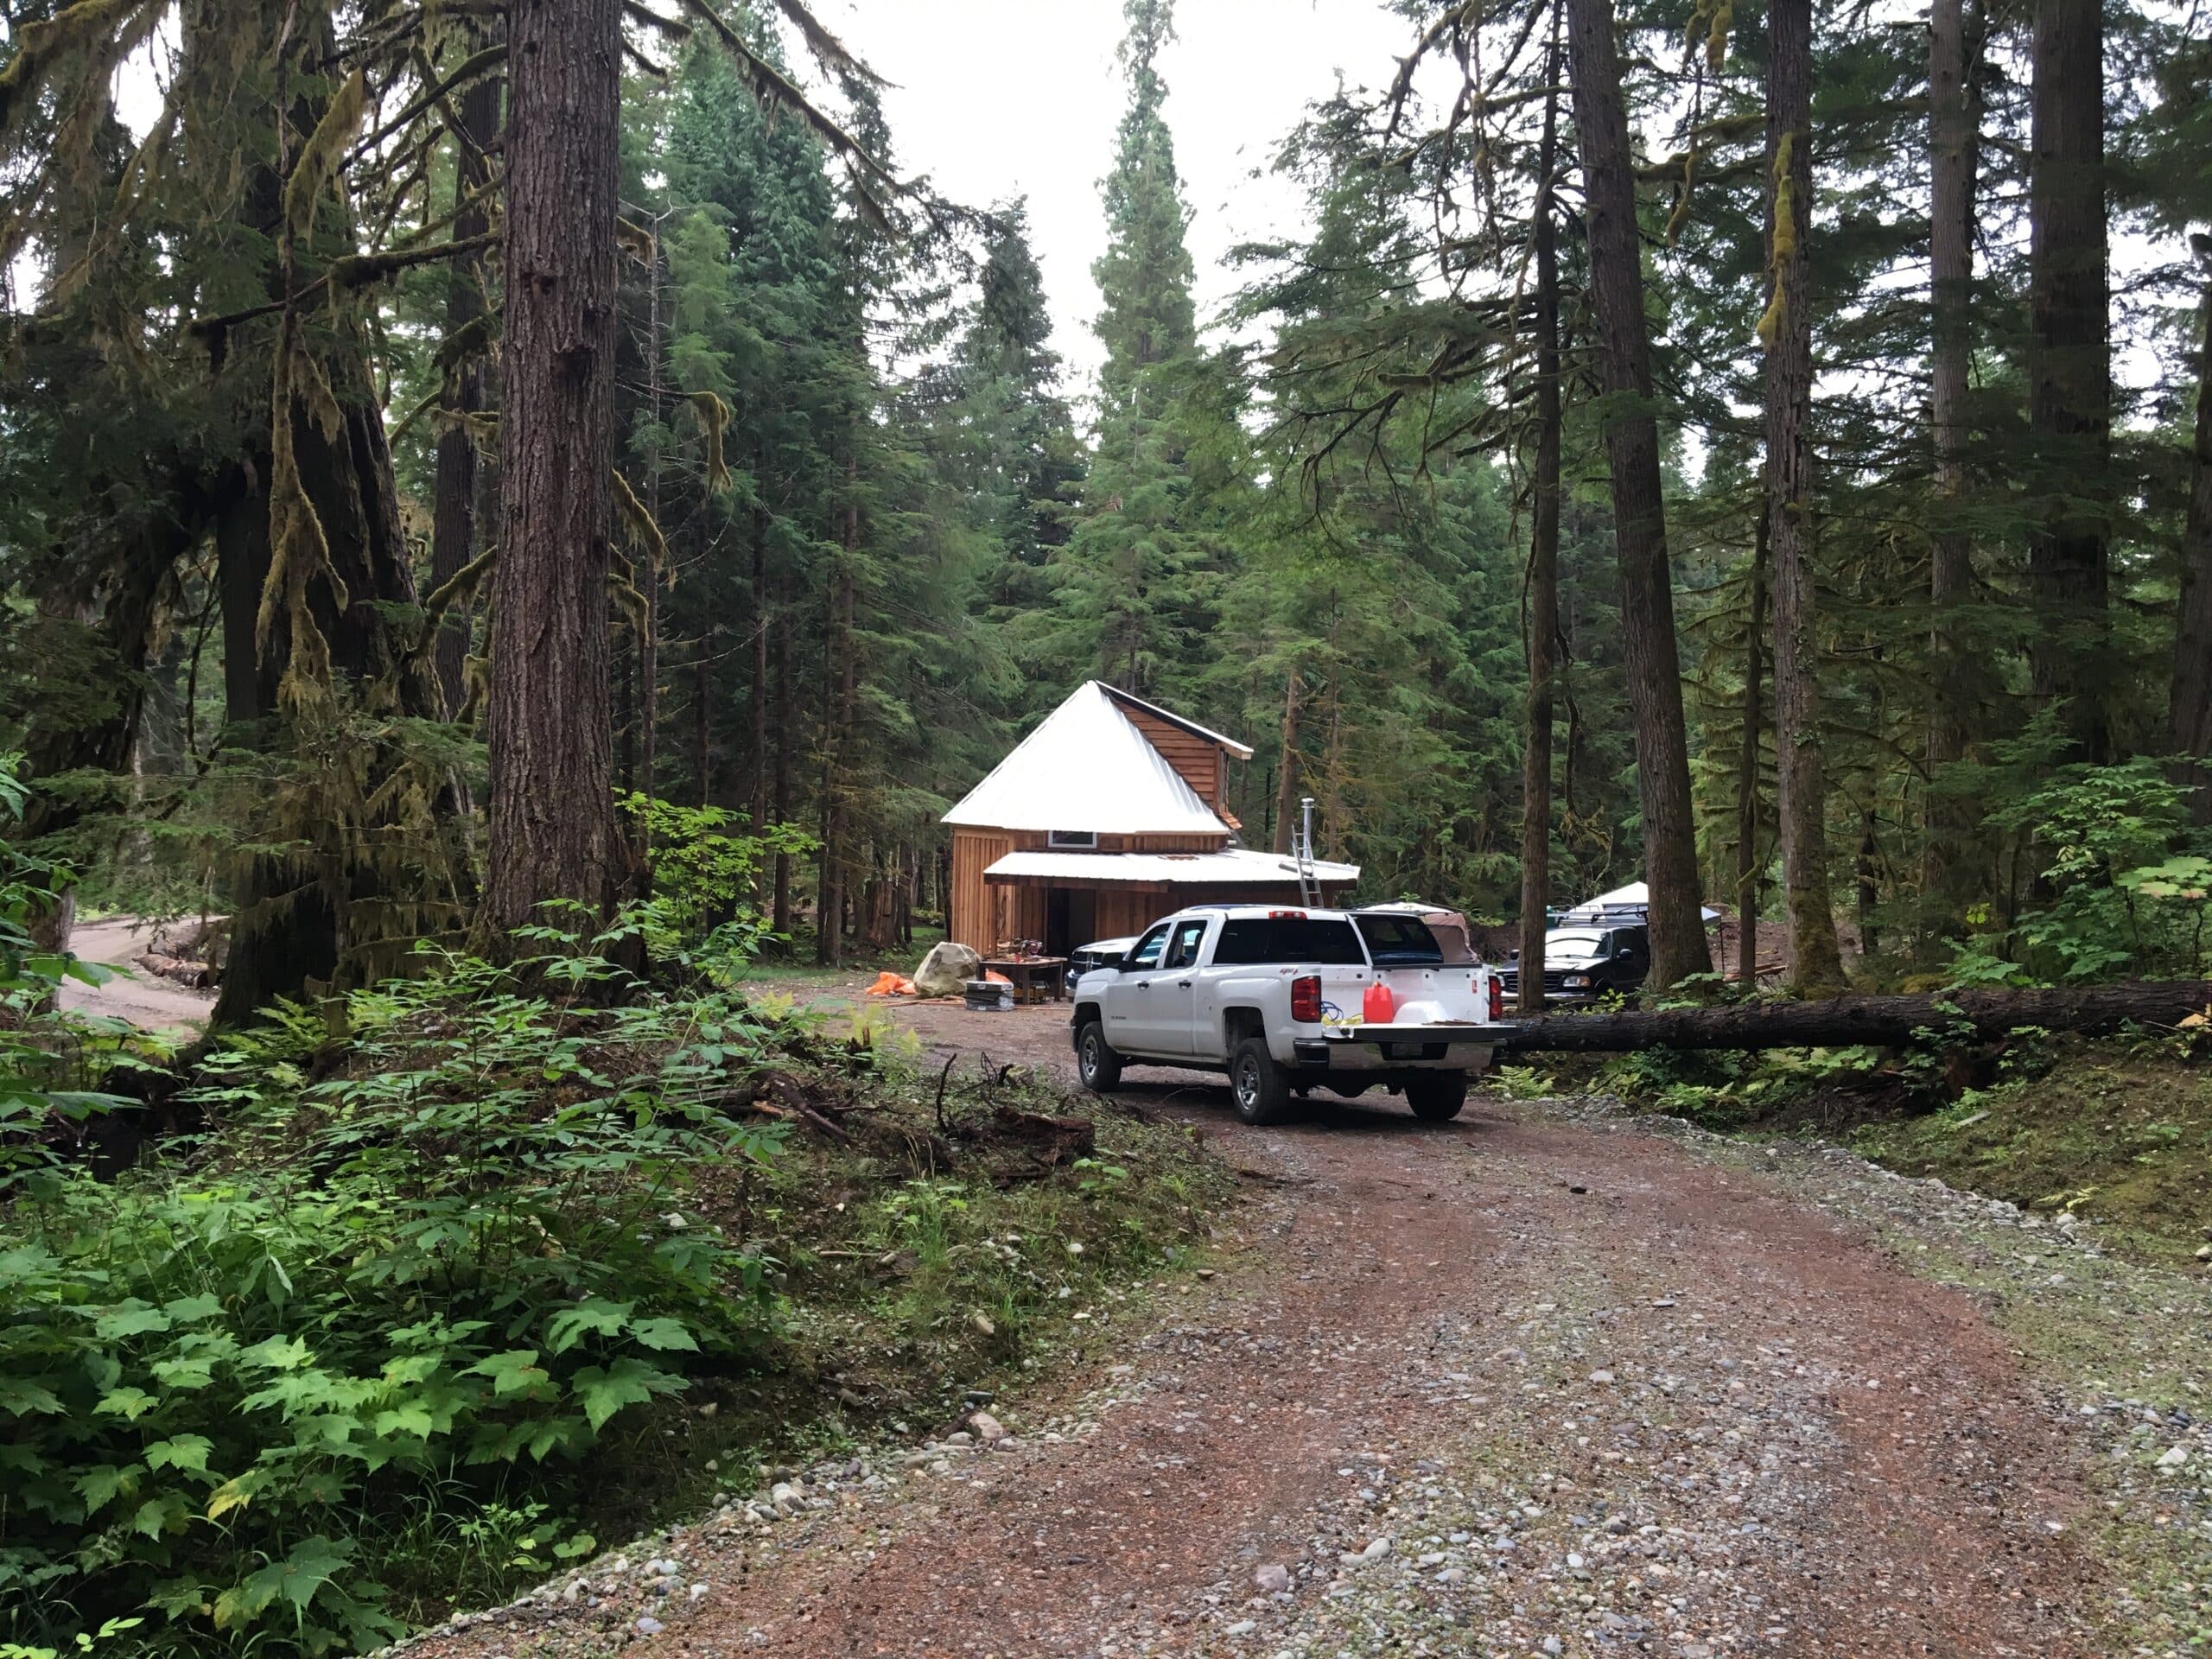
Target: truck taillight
x=1497, y=997
x=1306, y=997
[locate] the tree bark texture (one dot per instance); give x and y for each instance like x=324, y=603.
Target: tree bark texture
x=1655, y=681
x=2069, y=370
x=452, y=521
x=649, y=574
x=1748, y=862
x=1884, y=1021
x=553, y=833
x=1541, y=616
x=1954, y=680
x=757, y=797
x=298, y=918
x=829, y=942
x=2192, y=687
x=1801, y=784
x=787, y=711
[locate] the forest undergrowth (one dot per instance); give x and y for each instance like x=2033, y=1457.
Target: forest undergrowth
x=408, y=1297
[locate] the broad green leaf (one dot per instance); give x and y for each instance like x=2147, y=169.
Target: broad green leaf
x=188, y=1309
x=132, y=1403
x=405, y=1420
x=99, y=1486
x=179, y=1452
x=20, y=1398
x=513, y=1372
x=664, y=1334
x=626, y=1382
x=185, y=1374
x=313, y=1563
x=159, y=1514
x=131, y=1320
x=567, y=1328
x=277, y=1354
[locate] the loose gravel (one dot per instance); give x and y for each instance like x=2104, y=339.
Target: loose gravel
x=1551, y=1380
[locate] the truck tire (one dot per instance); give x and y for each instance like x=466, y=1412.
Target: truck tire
x=1262, y=1092
x=1096, y=1062
x=1437, y=1097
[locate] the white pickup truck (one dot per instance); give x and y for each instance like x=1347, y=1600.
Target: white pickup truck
x=1277, y=999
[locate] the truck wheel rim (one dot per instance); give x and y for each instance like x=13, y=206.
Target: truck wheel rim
x=1090, y=1055
x=1248, y=1085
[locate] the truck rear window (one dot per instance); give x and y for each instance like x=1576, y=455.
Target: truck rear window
x=1400, y=941
x=1260, y=939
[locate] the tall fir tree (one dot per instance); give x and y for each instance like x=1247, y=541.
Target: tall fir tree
x=1135, y=599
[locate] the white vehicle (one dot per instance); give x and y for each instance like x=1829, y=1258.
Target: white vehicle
x=1280, y=1000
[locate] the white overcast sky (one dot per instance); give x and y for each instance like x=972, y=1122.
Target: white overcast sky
x=998, y=98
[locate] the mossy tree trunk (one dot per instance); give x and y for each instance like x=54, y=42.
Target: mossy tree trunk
x=1800, y=782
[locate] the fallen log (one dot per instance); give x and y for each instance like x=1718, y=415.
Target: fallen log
x=1878, y=1021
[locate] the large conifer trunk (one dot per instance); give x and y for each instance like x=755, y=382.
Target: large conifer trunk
x=1953, y=678
x=2192, y=687
x=1749, y=864
x=1801, y=792
x=1542, y=612
x=1655, y=681
x=553, y=834
x=2070, y=394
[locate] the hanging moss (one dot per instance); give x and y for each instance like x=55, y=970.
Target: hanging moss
x=1785, y=239
x=86, y=28
x=324, y=150
x=713, y=421
x=1710, y=22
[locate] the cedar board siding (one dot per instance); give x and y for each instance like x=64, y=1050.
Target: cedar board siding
x=1198, y=761
x=984, y=915
x=980, y=915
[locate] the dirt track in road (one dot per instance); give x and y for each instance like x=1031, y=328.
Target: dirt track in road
x=142, y=998
x=1502, y=1386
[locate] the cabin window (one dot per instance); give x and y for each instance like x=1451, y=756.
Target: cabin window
x=1073, y=840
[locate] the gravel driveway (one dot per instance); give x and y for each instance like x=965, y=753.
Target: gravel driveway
x=1520, y=1384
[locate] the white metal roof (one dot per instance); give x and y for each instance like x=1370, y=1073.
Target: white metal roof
x=1635, y=896
x=1235, y=866
x=1088, y=767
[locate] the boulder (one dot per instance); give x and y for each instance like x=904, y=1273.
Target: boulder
x=947, y=969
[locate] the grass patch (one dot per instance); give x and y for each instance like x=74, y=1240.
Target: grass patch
x=2121, y=1133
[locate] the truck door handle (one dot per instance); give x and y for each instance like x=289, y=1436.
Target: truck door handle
x=1144, y=984
x=1183, y=984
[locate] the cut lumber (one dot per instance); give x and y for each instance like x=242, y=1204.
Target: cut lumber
x=1880, y=1022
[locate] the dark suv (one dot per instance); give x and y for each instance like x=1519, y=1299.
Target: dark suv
x=1584, y=963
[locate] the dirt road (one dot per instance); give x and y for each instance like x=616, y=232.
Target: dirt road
x=143, y=999
x=1508, y=1386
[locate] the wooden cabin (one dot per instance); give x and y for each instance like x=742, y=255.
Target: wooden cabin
x=1111, y=814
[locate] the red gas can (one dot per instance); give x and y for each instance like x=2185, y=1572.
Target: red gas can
x=1378, y=1007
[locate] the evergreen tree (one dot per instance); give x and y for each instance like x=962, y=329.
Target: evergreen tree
x=1137, y=592
x=1009, y=416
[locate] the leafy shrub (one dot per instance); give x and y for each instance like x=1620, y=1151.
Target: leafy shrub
x=705, y=876
x=2130, y=883
x=466, y=1250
